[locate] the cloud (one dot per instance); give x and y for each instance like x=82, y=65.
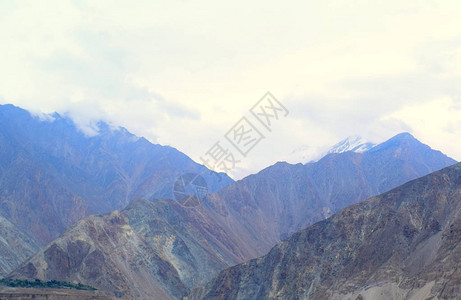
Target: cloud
x=183, y=72
x=437, y=123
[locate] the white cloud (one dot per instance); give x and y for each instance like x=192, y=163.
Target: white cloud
x=182, y=72
x=437, y=123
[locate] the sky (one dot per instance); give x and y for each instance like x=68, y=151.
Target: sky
x=184, y=72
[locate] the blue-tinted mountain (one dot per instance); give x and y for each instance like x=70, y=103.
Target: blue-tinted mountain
x=52, y=174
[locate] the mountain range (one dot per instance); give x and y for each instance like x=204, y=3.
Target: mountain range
x=403, y=244
x=284, y=198
x=158, y=248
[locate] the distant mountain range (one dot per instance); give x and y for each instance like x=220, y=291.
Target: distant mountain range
x=284, y=198
x=52, y=175
x=403, y=244
x=157, y=248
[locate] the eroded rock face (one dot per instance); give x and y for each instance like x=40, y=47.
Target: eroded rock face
x=403, y=244
x=15, y=247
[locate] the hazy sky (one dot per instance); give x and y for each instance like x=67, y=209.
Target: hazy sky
x=183, y=73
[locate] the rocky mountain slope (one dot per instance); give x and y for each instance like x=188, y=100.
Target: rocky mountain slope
x=15, y=247
x=403, y=244
x=52, y=174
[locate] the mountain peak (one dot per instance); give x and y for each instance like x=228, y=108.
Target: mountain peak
x=399, y=140
x=404, y=136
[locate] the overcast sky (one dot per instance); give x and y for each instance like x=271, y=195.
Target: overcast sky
x=182, y=73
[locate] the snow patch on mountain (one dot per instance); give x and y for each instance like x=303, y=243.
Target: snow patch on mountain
x=353, y=143
x=310, y=154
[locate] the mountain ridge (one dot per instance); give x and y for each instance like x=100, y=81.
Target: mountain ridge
x=297, y=195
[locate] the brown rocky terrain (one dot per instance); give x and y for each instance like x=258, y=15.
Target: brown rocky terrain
x=403, y=244
x=153, y=249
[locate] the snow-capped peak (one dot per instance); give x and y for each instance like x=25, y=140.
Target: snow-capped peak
x=353, y=143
